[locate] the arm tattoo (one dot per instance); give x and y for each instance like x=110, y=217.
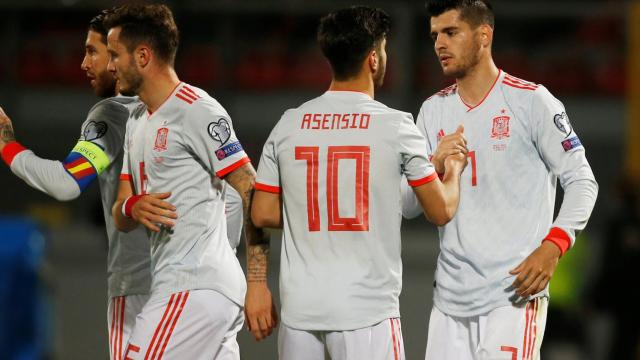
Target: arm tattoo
x=6, y=133
x=257, y=239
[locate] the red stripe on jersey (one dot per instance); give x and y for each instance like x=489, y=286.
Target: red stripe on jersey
x=519, y=86
x=560, y=238
x=113, y=324
x=532, y=345
x=525, y=342
x=268, y=188
x=424, y=180
x=519, y=81
x=125, y=177
x=173, y=325
x=511, y=349
x=10, y=151
x=187, y=94
x=122, y=309
x=224, y=172
x=182, y=97
x=155, y=334
x=131, y=348
x=191, y=91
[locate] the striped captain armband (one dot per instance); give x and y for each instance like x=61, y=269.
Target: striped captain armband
x=85, y=162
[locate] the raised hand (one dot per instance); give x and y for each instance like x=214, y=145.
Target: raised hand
x=6, y=130
x=451, y=144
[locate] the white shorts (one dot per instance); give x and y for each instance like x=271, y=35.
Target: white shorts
x=508, y=332
x=121, y=316
x=382, y=341
x=196, y=324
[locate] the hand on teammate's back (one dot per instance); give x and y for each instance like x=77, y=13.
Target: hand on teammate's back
x=452, y=144
x=152, y=211
x=259, y=310
x=534, y=273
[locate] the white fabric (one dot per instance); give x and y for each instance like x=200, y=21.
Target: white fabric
x=195, y=325
x=340, y=262
x=516, y=139
x=233, y=210
x=121, y=317
x=179, y=149
x=382, y=341
x=504, y=333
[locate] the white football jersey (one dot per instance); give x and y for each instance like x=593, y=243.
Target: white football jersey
x=186, y=147
x=338, y=161
x=520, y=143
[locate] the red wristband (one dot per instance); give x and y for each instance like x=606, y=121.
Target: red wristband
x=560, y=238
x=10, y=151
x=128, y=204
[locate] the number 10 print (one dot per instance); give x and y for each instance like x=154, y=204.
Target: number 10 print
x=361, y=155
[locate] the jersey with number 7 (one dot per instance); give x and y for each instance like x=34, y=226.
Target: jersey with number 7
x=338, y=161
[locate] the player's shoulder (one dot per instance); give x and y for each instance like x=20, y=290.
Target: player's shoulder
x=516, y=89
x=440, y=97
x=198, y=101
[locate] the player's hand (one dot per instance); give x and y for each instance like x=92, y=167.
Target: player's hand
x=534, y=273
x=151, y=210
x=259, y=310
x=6, y=130
x=451, y=144
x=455, y=163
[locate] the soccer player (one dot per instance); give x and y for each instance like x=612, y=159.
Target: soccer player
x=336, y=163
x=97, y=155
x=176, y=155
x=499, y=252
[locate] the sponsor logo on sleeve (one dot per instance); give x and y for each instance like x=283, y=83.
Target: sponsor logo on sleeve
x=563, y=124
x=228, y=150
x=571, y=144
x=220, y=131
x=94, y=130
x=161, y=139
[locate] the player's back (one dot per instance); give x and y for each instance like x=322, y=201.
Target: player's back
x=340, y=159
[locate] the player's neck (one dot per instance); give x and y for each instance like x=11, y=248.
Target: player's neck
x=360, y=84
x=157, y=88
x=475, y=85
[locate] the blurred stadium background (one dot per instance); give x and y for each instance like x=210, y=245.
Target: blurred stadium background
x=259, y=58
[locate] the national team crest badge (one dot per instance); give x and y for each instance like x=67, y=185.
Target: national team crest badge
x=161, y=139
x=500, y=128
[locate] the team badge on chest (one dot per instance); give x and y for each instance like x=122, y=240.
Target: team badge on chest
x=161, y=139
x=500, y=129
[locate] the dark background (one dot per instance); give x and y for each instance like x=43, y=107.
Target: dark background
x=259, y=58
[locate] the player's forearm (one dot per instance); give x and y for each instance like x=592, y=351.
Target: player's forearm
x=577, y=205
x=450, y=195
x=47, y=176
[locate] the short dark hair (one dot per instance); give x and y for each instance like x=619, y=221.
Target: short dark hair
x=97, y=25
x=474, y=12
x=346, y=37
x=146, y=23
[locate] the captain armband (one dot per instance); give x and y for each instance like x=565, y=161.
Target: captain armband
x=85, y=162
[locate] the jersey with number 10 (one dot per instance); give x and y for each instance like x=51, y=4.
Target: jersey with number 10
x=186, y=147
x=338, y=161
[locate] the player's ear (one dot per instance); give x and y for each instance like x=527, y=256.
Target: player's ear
x=372, y=59
x=142, y=55
x=486, y=35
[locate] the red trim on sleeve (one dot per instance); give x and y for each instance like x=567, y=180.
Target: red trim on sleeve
x=125, y=177
x=10, y=151
x=224, y=172
x=268, y=188
x=560, y=238
x=423, y=181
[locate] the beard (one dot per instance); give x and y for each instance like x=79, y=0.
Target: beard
x=105, y=85
x=130, y=80
x=468, y=60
